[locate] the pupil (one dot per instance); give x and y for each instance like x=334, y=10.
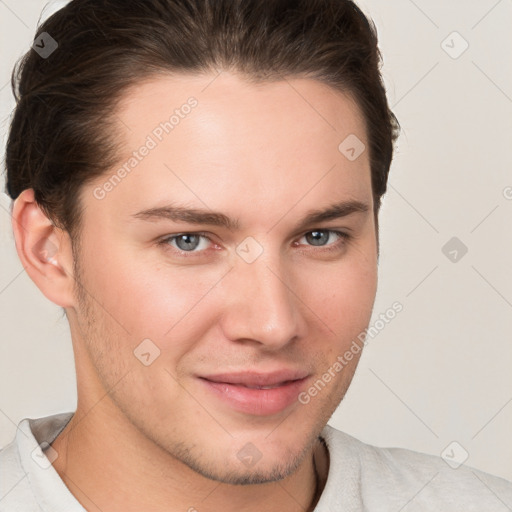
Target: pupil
x=318, y=236
x=188, y=242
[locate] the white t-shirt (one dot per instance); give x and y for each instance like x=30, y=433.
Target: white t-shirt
x=361, y=477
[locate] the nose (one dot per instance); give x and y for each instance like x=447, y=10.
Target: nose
x=262, y=305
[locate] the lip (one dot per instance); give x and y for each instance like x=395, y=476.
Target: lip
x=258, y=379
x=258, y=402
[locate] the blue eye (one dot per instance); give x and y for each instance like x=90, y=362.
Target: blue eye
x=319, y=237
x=187, y=241
x=186, y=244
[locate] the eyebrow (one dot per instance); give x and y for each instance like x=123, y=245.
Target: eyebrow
x=178, y=213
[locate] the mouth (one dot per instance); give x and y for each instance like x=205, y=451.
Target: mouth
x=274, y=386
x=252, y=379
x=254, y=399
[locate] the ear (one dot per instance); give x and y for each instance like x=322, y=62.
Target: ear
x=44, y=250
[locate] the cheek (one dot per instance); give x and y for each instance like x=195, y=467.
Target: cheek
x=173, y=306
x=342, y=295
x=155, y=301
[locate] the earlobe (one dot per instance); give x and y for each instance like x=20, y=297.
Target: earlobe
x=44, y=250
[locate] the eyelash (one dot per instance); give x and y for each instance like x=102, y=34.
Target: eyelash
x=344, y=237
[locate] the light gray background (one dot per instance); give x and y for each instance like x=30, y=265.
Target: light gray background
x=440, y=371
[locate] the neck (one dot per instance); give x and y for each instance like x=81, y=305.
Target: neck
x=98, y=453
x=321, y=468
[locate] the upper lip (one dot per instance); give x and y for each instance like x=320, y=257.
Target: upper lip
x=248, y=378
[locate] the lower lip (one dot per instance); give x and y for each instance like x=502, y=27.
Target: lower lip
x=260, y=402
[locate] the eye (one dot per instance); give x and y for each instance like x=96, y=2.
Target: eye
x=186, y=242
x=190, y=244
x=320, y=237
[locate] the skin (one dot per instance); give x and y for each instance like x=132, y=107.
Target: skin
x=265, y=155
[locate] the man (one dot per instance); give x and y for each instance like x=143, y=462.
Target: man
x=197, y=184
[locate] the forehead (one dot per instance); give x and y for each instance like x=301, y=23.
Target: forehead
x=213, y=138
x=228, y=105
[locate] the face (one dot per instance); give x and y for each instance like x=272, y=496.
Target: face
x=170, y=297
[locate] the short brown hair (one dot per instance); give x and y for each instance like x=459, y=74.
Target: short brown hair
x=60, y=136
